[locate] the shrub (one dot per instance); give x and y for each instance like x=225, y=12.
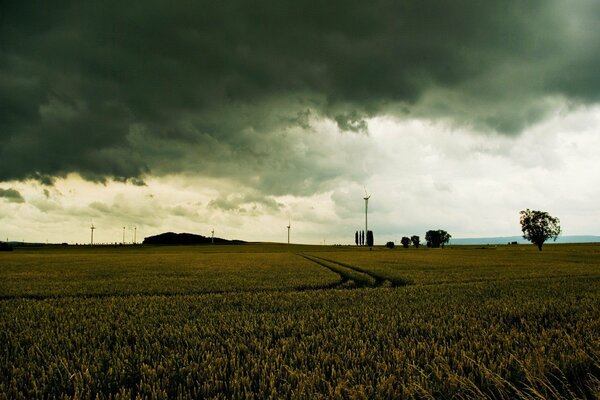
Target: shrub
x=405, y=242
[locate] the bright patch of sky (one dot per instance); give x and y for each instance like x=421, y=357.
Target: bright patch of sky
x=421, y=175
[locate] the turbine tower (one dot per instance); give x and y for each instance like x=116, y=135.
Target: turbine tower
x=135, y=235
x=289, y=225
x=212, y=236
x=366, y=198
x=92, y=236
x=123, y=235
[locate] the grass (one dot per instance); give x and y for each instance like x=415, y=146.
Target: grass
x=260, y=321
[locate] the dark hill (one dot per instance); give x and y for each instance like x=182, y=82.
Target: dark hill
x=185, y=239
x=5, y=247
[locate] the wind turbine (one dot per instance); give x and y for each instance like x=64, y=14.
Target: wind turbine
x=212, y=236
x=92, y=236
x=366, y=198
x=135, y=235
x=123, y=235
x=289, y=226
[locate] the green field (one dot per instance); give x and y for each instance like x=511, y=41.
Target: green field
x=300, y=322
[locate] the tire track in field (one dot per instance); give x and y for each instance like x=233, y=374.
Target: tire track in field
x=350, y=277
x=379, y=279
x=343, y=283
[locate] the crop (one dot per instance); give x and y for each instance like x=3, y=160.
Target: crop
x=507, y=330
x=473, y=264
x=117, y=271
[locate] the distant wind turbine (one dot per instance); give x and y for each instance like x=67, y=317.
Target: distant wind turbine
x=366, y=198
x=92, y=235
x=123, y=235
x=212, y=236
x=289, y=226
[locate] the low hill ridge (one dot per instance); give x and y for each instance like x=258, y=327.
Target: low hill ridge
x=172, y=238
x=520, y=240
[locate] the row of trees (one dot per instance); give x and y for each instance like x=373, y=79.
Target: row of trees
x=433, y=238
x=414, y=239
x=537, y=227
x=359, y=238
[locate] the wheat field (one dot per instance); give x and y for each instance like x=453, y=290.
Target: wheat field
x=300, y=322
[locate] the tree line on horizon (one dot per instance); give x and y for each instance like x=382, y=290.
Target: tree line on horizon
x=364, y=240
x=537, y=227
x=433, y=239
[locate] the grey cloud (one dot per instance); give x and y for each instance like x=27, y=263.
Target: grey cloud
x=351, y=122
x=47, y=205
x=230, y=89
x=261, y=154
x=244, y=203
x=186, y=212
x=11, y=195
x=120, y=212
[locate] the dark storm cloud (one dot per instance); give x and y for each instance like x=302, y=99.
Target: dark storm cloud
x=11, y=195
x=115, y=90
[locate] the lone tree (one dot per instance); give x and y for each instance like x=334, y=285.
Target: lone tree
x=416, y=241
x=539, y=226
x=405, y=242
x=437, y=238
x=356, y=238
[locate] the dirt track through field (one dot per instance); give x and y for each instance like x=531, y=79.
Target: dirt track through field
x=360, y=276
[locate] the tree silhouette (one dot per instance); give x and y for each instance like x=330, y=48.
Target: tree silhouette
x=416, y=241
x=370, y=238
x=356, y=237
x=437, y=238
x=405, y=241
x=539, y=226
x=445, y=237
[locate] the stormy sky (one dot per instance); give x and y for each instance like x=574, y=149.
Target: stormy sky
x=239, y=115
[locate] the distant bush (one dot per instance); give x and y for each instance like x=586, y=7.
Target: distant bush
x=416, y=241
x=5, y=247
x=390, y=245
x=405, y=242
